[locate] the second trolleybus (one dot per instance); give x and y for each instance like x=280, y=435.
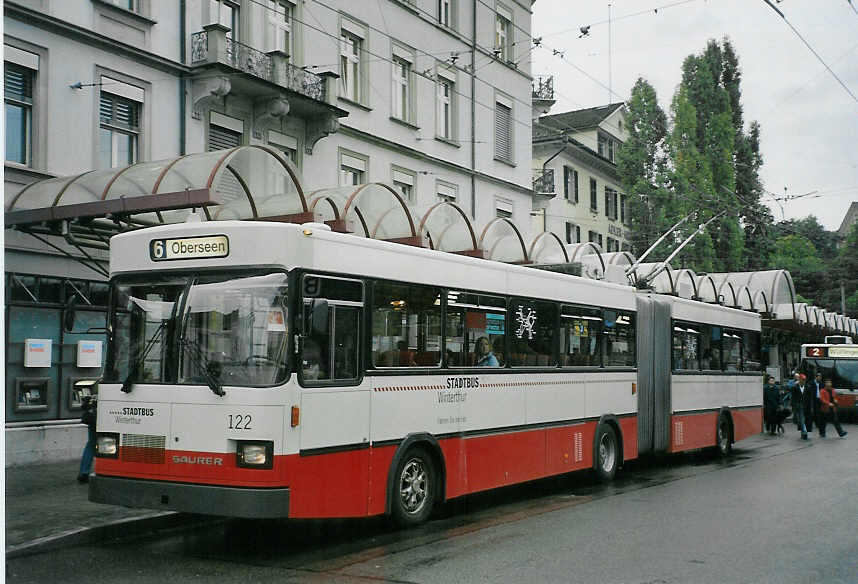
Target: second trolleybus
x=278, y=370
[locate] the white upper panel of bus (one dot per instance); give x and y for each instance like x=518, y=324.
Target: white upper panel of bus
x=288, y=245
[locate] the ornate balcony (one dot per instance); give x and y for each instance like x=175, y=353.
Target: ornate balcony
x=543, y=181
x=543, y=88
x=272, y=67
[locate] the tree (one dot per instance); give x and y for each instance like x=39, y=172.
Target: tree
x=798, y=255
x=641, y=163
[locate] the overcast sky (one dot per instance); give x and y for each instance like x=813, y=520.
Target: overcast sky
x=809, y=122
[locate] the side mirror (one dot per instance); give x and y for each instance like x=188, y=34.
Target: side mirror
x=319, y=316
x=69, y=315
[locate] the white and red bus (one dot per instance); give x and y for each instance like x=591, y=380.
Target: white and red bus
x=277, y=370
x=838, y=362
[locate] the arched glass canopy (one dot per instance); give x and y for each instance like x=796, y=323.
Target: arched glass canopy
x=589, y=255
x=249, y=182
x=501, y=241
x=374, y=210
x=777, y=284
x=707, y=289
x=684, y=283
x=447, y=228
x=547, y=248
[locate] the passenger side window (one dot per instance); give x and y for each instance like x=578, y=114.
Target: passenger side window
x=751, y=353
x=580, y=337
x=474, y=330
x=731, y=349
x=330, y=344
x=532, y=325
x=619, y=336
x=710, y=348
x=686, y=346
x=406, y=325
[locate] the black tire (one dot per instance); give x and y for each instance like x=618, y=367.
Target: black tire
x=724, y=436
x=414, y=488
x=607, y=454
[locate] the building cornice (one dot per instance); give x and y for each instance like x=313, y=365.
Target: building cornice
x=74, y=32
x=582, y=154
x=390, y=145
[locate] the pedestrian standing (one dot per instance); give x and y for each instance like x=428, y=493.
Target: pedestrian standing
x=88, y=418
x=771, y=399
x=802, y=395
x=816, y=404
x=791, y=385
x=828, y=405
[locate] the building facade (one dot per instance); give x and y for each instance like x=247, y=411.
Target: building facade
x=431, y=96
x=574, y=153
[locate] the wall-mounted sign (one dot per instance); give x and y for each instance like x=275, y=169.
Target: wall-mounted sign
x=37, y=352
x=89, y=353
x=189, y=248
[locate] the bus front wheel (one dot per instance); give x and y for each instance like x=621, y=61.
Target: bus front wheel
x=607, y=453
x=413, y=495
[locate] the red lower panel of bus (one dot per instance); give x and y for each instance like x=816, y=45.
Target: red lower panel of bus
x=354, y=483
x=698, y=430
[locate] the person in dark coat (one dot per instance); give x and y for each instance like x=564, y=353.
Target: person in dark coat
x=802, y=403
x=771, y=399
x=88, y=418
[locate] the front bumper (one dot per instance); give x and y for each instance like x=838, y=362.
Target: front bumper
x=250, y=503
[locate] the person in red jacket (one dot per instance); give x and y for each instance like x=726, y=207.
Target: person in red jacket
x=828, y=403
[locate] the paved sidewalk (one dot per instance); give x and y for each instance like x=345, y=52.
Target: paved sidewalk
x=46, y=507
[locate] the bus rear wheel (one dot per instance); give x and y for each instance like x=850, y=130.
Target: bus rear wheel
x=723, y=438
x=607, y=453
x=413, y=496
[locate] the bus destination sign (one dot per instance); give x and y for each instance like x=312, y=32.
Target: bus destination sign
x=843, y=351
x=189, y=248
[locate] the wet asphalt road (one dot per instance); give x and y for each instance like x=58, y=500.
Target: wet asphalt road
x=779, y=510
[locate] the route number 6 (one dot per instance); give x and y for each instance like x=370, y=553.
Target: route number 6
x=158, y=249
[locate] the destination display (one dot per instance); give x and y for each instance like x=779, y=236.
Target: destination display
x=189, y=248
x=843, y=351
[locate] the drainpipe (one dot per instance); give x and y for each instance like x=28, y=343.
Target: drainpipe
x=182, y=96
x=473, y=111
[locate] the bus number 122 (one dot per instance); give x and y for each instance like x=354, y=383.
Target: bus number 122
x=239, y=422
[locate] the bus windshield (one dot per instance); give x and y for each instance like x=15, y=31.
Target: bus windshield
x=843, y=372
x=207, y=329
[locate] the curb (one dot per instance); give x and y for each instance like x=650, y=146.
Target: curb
x=157, y=521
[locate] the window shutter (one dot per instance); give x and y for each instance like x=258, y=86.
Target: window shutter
x=220, y=138
x=503, y=131
x=18, y=82
x=118, y=111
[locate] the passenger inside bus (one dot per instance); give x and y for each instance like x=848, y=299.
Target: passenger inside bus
x=485, y=357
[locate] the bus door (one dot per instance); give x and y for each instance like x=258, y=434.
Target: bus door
x=335, y=399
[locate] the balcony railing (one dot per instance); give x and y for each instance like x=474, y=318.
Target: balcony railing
x=271, y=67
x=543, y=181
x=543, y=87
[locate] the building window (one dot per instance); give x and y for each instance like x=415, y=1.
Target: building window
x=445, y=16
x=132, y=5
x=405, y=181
x=570, y=184
x=353, y=168
x=18, y=96
x=350, y=66
x=401, y=89
x=594, y=199
x=623, y=213
x=503, y=208
x=503, y=34
x=611, y=203
x=444, y=115
x=225, y=13
x=288, y=145
x=504, y=213
x=573, y=233
x=503, y=132
x=119, y=131
x=447, y=192
x=607, y=146
x=595, y=237
x=280, y=14
x=613, y=244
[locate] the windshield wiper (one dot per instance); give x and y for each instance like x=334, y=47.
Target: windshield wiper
x=211, y=370
x=128, y=383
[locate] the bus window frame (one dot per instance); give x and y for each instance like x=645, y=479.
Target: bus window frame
x=360, y=338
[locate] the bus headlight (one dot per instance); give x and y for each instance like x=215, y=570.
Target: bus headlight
x=255, y=454
x=107, y=445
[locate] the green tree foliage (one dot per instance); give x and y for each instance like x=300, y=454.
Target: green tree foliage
x=641, y=163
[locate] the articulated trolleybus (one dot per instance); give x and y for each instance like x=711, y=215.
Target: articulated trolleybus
x=278, y=370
